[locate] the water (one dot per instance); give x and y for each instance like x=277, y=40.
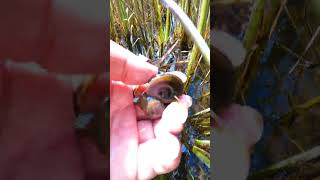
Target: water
x=192, y=164
x=269, y=92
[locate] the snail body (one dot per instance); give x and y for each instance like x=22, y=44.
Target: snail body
x=157, y=94
x=165, y=87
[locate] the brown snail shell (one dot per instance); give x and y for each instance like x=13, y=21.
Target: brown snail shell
x=224, y=80
x=160, y=91
x=165, y=87
x=227, y=53
x=151, y=107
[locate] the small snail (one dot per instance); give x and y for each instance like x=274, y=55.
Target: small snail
x=157, y=94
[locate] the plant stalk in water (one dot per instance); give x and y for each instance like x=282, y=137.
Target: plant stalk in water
x=190, y=28
x=195, y=52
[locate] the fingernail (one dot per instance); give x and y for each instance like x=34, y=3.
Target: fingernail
x=186, y=100
x=171, y=150
x=175, y=113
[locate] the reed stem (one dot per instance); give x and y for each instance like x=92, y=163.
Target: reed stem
x=190, y=28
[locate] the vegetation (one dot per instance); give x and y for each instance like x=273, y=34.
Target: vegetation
x=151, y=29
x=280, y=78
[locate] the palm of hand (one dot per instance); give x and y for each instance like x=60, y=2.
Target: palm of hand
x=145, y=148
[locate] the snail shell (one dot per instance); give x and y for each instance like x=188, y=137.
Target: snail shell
x=224, y=80
x=227, y=53
x=165, y=87
x=152, y=108
x=160, y=91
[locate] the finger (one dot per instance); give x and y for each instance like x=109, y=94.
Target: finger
x=129, y=68
x=162, y=128
x=123, y=133
x=173, y=117
x=145, y=131
x=245, y=122
x=59, y=35
x=120, y=97
x=231, y=155
x=158, y=156
x=27, y=137
x=243, y=128
x=254, y=124
x=96, y=164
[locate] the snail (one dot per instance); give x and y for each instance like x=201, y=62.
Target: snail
x=224, y=80
x=227, y=53
x=92, y=123
x=153, y=97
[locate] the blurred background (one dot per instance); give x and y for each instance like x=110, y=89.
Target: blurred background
x=280, y=78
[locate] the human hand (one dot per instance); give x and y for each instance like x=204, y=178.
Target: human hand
x=242, y=128
x=140, y=149
x=37, y=137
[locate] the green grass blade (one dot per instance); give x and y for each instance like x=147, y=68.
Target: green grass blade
x=190, y=28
